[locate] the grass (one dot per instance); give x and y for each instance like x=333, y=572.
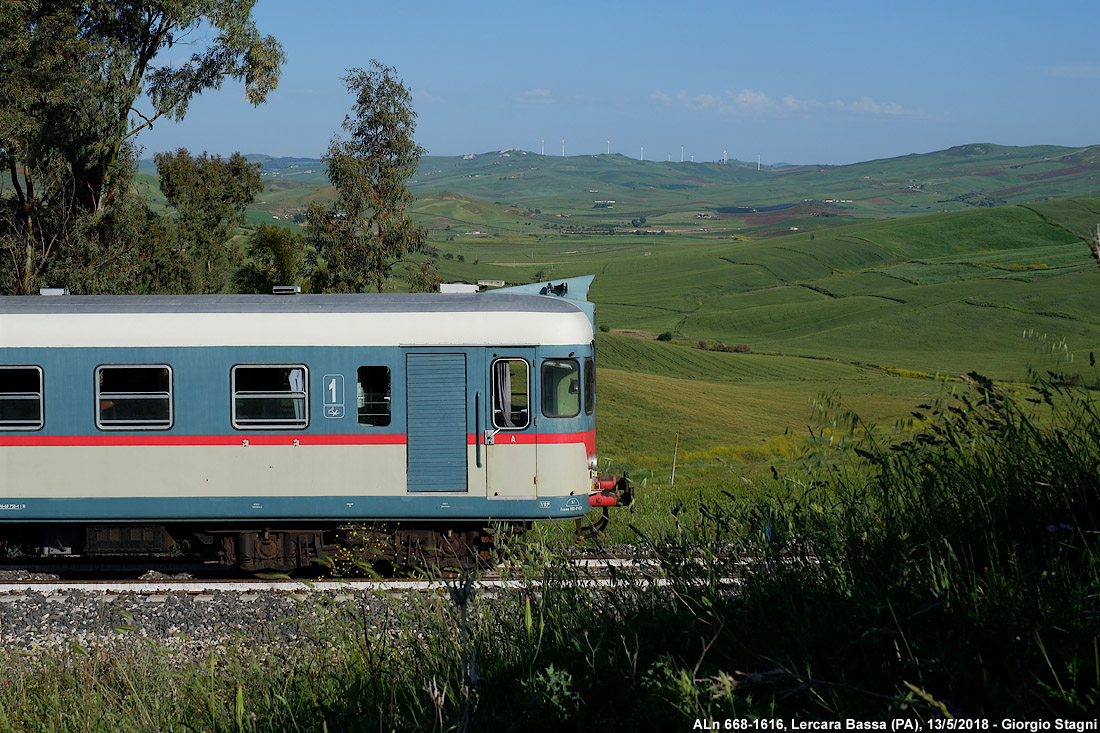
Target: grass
x=726, y=408
x=944, y=293
x=954, y=567
x=884, y=284
x=947, y=543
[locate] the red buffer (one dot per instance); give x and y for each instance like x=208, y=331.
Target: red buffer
x=607, y=491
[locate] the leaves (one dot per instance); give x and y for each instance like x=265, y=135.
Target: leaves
x=78, y=82
x=366, y=232
x=209, y=195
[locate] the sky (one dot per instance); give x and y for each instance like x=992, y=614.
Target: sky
x=829, y=82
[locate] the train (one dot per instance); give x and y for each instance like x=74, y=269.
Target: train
x=269, y=431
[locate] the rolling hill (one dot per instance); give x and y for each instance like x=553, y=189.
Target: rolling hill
x=916, y=263
x=865, y=280
x=736, y=193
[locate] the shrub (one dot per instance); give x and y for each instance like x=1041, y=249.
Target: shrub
x=963, y=565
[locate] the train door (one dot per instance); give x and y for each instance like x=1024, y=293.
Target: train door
x=436, y=421
x=511, y=438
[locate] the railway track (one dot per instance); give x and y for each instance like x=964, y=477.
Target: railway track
x=197, y=578
x=191, y=615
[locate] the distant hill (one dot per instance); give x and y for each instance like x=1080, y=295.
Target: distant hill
x=971, y=258
x=613, y=188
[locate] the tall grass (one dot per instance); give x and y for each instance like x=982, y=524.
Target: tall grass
x=965, y=565
x=950, y=573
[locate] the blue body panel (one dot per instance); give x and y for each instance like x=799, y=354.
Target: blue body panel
x=305, y=508
x=436, y=437
x=201, y=388
x=437, y=395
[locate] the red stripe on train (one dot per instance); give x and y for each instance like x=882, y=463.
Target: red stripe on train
x=587, y=437
x=196, y=440
x=16, y=441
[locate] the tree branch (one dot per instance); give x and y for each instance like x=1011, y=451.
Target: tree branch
x=15, y=181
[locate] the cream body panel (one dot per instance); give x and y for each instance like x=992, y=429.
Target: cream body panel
x=511, y=469
x=72, y=330
x=563, y=469
x=201, y=471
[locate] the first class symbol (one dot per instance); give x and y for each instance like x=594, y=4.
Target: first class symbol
x=333, y=385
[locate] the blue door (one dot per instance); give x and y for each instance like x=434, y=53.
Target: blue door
x=436, y=397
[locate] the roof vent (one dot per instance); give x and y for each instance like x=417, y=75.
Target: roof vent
x=53, y=291
x=286, y=290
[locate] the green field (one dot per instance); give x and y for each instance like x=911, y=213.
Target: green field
x=946, y=538
x=873, y=280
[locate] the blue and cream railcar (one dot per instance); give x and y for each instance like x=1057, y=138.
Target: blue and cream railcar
x=261, y=424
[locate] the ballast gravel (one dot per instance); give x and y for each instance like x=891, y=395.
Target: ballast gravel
x=33, y=620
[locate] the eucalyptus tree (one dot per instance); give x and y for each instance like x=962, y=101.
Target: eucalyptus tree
x=209, y=195
x=79, y=81
x=366, y=232
x=276, y=256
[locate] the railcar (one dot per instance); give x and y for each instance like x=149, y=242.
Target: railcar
x=269, y=430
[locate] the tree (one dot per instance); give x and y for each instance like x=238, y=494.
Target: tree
x=276, y=256
x=78, y=82
x=123, y=248
x=366, y=232
x=209, y=195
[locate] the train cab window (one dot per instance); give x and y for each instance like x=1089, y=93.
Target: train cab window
x=561, y=388
x=133, y=397
x=589, y=386
x=269, y=397
x=20, y=398
x=373, y=395
x=511, y=394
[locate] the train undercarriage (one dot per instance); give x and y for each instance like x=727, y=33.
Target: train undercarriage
x=345, y=549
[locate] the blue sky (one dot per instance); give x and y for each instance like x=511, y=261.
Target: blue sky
x=789, y=81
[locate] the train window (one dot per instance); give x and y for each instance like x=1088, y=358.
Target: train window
x=589, y=386
x=373, y=395
x=511, y=394
x=270, y=396
x=20, y=398
x=561, y=388
x=133, y=397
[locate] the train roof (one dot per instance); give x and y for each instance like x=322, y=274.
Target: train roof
x=398, y=319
